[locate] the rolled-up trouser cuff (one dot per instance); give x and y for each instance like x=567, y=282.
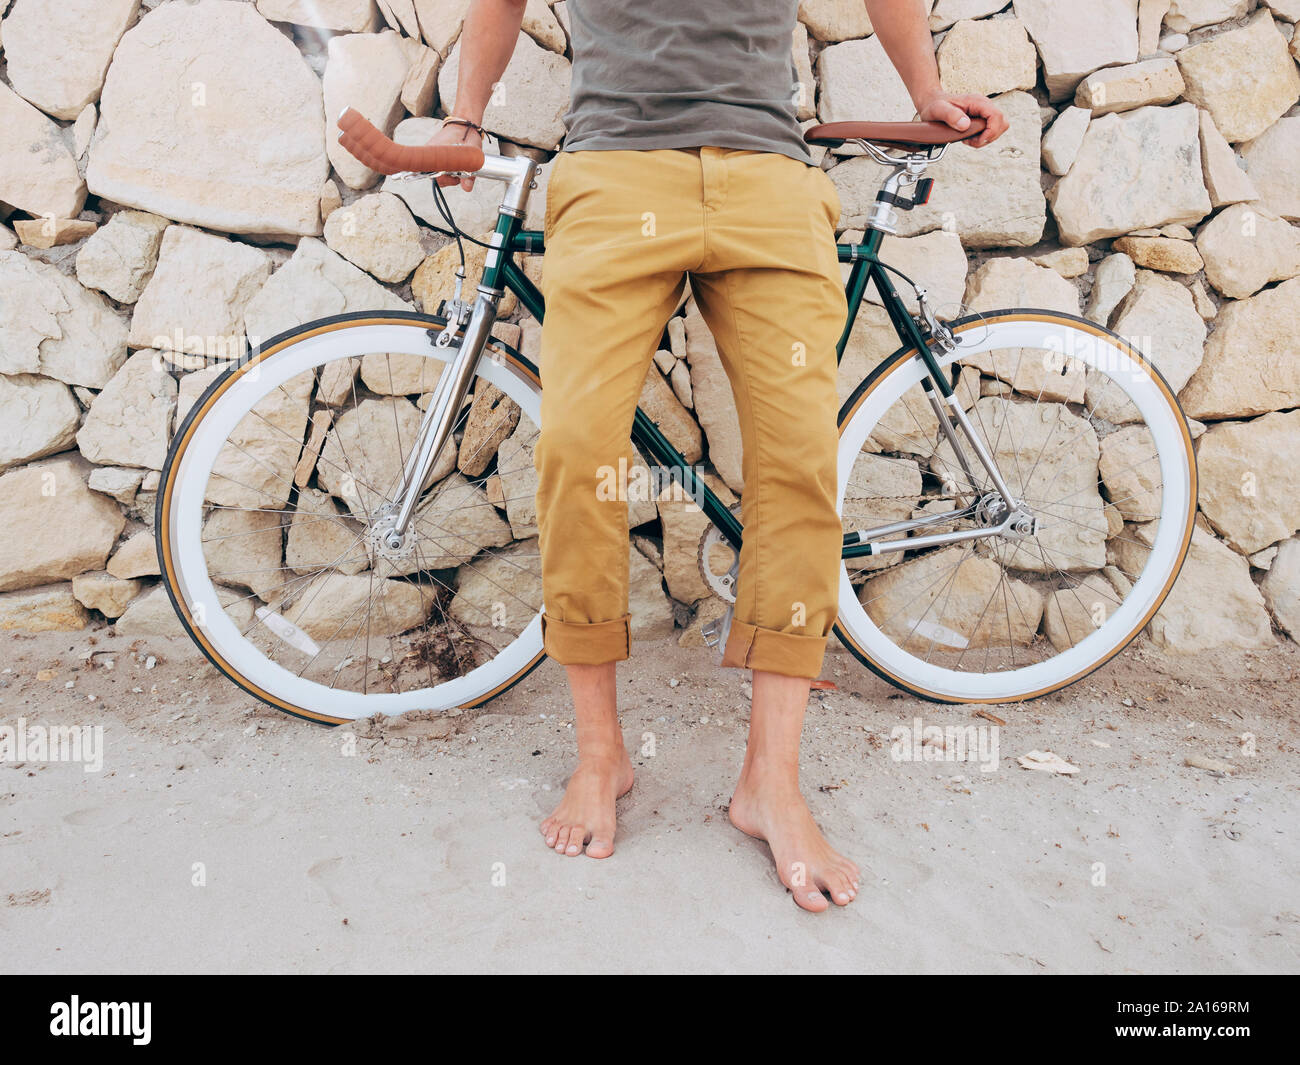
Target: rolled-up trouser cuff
x=788, y=653
x=587, y=643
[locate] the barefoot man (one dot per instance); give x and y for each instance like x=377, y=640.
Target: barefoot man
x=684, y=160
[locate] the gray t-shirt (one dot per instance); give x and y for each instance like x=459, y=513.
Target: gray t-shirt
x=683, y=74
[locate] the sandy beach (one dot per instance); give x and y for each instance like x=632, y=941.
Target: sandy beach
x=222, y=836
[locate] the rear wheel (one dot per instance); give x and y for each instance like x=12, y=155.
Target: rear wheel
x=274, y=498
x=1090, y=440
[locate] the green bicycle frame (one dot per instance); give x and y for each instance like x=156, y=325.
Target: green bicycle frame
x=503, y=272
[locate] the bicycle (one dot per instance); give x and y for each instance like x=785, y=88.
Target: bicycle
x=1018, y=487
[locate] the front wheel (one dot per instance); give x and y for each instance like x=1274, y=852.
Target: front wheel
x=272, y=505
x=1089, y=439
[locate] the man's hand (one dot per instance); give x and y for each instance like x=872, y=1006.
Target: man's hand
x=953, y=109
x=456, y=133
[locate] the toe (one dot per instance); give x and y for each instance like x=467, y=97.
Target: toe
x=561, y=838
x=840, y=888
x=577, y=837
x=549, y=831
x=602, y=842
x=810, y=899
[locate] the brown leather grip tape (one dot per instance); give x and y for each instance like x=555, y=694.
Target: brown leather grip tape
x=369, y=146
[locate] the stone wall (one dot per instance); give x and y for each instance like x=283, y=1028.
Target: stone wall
x=169, y=187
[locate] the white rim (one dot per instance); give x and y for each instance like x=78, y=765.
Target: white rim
x=1167, y=431
x=185, y=520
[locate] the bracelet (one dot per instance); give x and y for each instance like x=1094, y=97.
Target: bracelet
x=464, y=122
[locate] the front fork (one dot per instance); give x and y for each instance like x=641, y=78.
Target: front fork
x=475, y=323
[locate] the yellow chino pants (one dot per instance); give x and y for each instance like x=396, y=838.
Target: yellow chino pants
x=754, y=232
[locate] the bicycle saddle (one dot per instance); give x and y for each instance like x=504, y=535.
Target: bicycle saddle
x=892, y=134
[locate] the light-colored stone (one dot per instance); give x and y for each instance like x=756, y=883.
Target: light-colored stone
x=441, y=22
x=1159, y=318
x=51, y=325
x=151, y=613
x=987, y=57
x=1250, y=480
x=948, y=12
x=365, y=71
x=1151, y=81
x=1161, y=253
x=1244, y=77
x=435, y=278
x=1273, y=160
x=1098, y=197
x=1224, y=179
x=991, y=196
x=362, y=460
x=245, y=549
x=1075, y=611
x=1112, y=281
x=834, y=20
x=662, y=406
x=453, y=525
x=1213, y=604
x=315, y=283
x=52, y=526
x=880, y=490
x=211, y=116
x=58, y=53
x=253, y=469
x=350, y=16
x=857, y=81
x=1014, y=282
x=1281, y=588
x=120, y=257
x=378, y=234
x=322, y=537
x=1130, y=470
x=492, y=417
x=138, y=557
x=500, y=591
x=935, y=258
x=83, y=129
x=1187, y=15
x=50, y=608
x=939, y=602
x=1151, y=16
x=518, y=478
x=1068, y=262
x=1063, y=139
x=337, y=607
x=103, y=592
x=38, y=417
x=531, y=97
x=543, y=27
x=1250, y=365
x=49, y=232
x=38, y=172
x=120, y=482
x=651, y=610
x=1246, y=247
x=1076, y=39
x=420, y=89
x=196, y=299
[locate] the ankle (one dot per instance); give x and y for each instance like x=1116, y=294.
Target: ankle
x=603, y=756
x=769, y=774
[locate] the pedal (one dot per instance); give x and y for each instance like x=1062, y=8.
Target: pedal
x=715, y=632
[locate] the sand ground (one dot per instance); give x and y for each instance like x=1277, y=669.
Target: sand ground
x=223, y=836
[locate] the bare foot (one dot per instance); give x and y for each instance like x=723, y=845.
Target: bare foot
x=773, y=810
x=587, y=810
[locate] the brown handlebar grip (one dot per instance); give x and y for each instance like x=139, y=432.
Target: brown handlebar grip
x=369, y=146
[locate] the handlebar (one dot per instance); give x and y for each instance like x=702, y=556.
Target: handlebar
x=370, y=146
